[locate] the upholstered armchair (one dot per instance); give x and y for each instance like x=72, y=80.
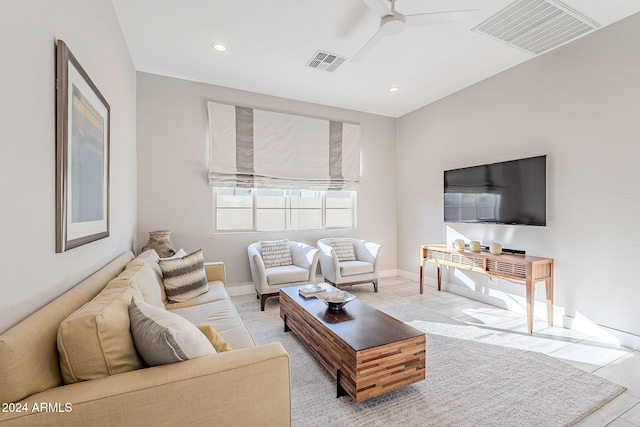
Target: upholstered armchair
x=349, y=261
x=274, y=267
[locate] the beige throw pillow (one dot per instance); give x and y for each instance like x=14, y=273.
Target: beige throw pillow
x=162, y=337
x=184, y=278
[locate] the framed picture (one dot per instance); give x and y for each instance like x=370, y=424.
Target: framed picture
x=82, y=155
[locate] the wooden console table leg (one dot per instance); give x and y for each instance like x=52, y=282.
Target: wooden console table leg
x=439, y=277
x=421, y=276
x=549, y=291
x=530, y=288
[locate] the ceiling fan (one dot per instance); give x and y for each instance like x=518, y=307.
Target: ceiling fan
x=393, y=22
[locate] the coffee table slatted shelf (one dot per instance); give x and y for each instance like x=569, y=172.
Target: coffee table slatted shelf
x=367, y=351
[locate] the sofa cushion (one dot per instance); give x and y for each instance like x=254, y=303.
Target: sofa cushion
x=276, y=253
x=29, y=359
x=214, y=338
x=286, y=274
x=221, y=315
x=95, y=341
x=351, y=268
x=238, y=337
x=344, y=248
x=151, y=257
x=216, y=292
x=184, y=278
x=162, y=337
x=141, y=273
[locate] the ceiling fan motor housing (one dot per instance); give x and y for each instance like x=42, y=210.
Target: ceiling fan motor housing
x=392, y=24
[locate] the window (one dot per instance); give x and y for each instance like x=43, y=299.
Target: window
x=239, y=209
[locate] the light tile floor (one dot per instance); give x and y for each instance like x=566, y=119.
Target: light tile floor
x=615, y=363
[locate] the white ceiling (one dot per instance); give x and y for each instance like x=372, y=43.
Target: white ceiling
x=270, y=42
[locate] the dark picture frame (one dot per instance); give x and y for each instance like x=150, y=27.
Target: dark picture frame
x=82, y=155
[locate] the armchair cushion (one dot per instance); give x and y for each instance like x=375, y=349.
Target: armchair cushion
x=344, y=248
x=351, y=268
x=276, y=253
x=286, y=274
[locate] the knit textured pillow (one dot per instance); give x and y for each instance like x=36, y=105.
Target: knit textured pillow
x=344, y=249
x=276, y=253
x=184, y=278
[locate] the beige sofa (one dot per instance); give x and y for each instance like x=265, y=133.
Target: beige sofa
x=249, y=385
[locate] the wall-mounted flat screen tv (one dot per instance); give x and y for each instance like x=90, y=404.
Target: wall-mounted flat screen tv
x=513, y=192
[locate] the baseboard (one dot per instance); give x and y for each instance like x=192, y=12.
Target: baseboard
x=241, y=289
x=585, y=326
x=603, y=332
x=247, y=288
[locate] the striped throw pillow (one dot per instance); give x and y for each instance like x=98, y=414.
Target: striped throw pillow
x=344, y=249
x=276, y=253
x=184, y=278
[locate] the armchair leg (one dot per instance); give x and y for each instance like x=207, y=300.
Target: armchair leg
x=263, y=299
x=375, y=285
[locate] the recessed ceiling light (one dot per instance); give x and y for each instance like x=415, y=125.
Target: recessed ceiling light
x=218, y=47
x=394, y=89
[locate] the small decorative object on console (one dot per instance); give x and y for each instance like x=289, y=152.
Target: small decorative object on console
x=474, y=246
x=495, y=248
x=459, y=244
x=336, y=300
x=311, y=291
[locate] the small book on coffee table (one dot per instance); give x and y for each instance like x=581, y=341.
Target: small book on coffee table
x=311, y=291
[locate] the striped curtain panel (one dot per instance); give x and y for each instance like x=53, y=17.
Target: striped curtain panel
x=265, y=149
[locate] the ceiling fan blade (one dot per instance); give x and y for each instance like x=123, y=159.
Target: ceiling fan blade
x=380, y=7
x=439, y=17
x=370, y=44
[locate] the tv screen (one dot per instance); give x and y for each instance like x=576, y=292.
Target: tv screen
x=513, y=192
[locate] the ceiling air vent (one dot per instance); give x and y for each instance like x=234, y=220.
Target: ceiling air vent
x=326, y=61
x=536, y=26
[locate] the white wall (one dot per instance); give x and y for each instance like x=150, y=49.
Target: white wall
x=172, y=172
x=32, y=273
x=579, y=105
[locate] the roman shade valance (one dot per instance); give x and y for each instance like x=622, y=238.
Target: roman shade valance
x=265, y=149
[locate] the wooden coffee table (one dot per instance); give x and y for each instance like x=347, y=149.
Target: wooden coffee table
x=367, y=351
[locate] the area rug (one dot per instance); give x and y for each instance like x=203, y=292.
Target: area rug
x=472, y=379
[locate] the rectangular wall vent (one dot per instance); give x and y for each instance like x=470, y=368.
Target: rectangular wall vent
x=536, y=26
x=325, y=61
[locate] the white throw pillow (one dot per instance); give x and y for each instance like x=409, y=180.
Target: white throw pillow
x=162, y=337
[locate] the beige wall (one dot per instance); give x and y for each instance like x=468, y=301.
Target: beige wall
x=172, y=172
x=579, y=105
x=32, y=273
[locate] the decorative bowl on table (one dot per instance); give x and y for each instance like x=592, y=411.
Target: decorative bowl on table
x=336, y=300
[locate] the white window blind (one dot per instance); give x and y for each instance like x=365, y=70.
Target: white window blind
x=265, y=149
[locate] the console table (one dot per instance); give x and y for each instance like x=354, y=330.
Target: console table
x=529, y=269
